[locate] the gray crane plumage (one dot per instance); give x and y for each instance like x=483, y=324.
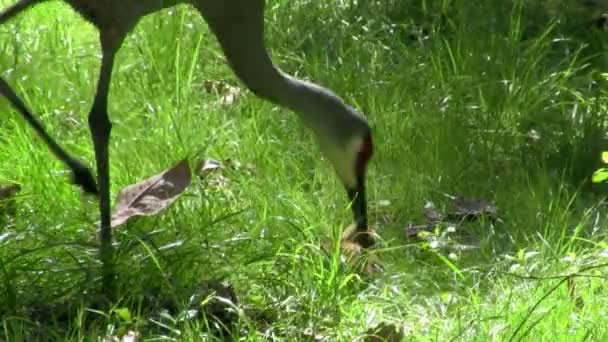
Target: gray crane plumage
x=342, y=132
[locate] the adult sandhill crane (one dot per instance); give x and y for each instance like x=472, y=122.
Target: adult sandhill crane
x=342, y=133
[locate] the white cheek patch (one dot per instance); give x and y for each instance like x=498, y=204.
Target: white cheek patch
x=344, y=158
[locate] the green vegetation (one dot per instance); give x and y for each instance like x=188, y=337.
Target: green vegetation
x=501, y=100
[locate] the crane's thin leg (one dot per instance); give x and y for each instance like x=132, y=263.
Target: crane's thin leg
x=100, y=126
x=81, y=175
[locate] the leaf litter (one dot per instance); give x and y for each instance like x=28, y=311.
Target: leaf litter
x=152, y=195
x=439, y=225
x=471, y=209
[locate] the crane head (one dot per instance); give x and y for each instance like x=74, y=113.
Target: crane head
x=349, y=149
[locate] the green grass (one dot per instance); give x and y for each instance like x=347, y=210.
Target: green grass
x=452, y=100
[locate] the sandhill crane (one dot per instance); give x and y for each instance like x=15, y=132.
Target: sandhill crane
x=342, y=132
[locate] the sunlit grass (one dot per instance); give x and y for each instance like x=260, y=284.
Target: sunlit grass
x=504, y=108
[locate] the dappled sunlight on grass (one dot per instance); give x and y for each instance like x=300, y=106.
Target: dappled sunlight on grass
x=507, y=108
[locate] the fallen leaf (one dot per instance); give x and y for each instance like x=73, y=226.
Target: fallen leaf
x=384, y=332
x=471, y=209
x=151, y=195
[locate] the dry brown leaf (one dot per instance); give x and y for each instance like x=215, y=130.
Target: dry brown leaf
x=384, y=332
x=151, y=195
x=471, y=208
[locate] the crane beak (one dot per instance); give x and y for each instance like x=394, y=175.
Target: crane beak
x=357, y=194
x=359, y=208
